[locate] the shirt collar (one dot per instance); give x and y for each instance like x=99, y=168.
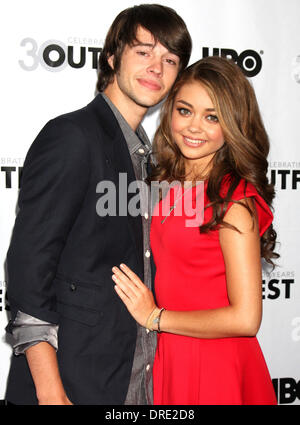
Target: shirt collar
x=136, y=142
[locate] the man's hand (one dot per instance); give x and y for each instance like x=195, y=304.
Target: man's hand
x=61, y=401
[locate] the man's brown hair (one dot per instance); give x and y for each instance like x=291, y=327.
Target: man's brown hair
x=166, y=26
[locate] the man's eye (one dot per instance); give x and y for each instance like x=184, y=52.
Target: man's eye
x=142, y=53
x=212, y=118
x=183, y=111
x=171, y=61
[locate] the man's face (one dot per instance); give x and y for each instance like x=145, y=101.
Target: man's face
x=147, y=71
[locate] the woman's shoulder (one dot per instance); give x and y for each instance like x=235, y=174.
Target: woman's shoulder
x=240, y=188
x=246, y=190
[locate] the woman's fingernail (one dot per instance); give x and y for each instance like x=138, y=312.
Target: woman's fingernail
x=114, y=277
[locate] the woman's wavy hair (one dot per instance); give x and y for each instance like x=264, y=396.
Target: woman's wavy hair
x=162, y=22
x=244, y=153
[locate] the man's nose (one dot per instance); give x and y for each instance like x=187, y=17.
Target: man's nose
x=156, y=67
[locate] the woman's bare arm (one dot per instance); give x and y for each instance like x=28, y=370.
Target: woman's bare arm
x=241, y=317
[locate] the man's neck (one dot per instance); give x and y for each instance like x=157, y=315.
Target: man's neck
x=132, y=112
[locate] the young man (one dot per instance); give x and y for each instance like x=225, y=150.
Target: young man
x=75, y=342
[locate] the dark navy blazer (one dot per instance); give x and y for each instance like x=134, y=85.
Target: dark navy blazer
x=61, y=254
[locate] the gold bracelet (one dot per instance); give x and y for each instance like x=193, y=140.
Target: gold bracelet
x=158, y=320
x=154, y=318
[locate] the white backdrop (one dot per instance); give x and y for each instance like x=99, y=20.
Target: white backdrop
x=265, y=38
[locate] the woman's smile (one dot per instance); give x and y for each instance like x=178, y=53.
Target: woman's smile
x=193, y=142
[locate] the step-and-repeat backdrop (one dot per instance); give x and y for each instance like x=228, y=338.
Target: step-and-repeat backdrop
x=49, y=55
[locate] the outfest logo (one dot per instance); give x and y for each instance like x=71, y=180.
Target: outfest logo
x=285, y=175
x=278, y=284
x=55, y=55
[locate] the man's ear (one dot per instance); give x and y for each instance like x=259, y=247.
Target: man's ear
x=110, y=60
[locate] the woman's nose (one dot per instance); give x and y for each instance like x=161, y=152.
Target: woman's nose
x=196, y=125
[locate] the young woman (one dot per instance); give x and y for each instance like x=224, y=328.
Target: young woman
x=208, y=281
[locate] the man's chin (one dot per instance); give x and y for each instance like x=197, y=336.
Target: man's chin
x=148, y=102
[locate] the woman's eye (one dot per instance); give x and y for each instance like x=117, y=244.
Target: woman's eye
x=212, y=118
x=183, y=111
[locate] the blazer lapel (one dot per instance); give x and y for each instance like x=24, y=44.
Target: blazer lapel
x=118, y=157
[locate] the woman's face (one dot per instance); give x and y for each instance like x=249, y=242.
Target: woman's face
x=195, y=126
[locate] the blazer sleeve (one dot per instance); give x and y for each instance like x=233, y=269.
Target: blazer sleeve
x=53, y=186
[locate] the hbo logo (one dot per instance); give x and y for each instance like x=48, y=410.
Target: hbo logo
x=287, y=390
x=249, y=60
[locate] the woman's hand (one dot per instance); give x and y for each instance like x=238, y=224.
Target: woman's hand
x=134, y=293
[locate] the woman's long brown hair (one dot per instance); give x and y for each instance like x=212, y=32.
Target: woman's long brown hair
x=244, y=153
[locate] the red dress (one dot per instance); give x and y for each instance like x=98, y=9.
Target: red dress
x=190, y=275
